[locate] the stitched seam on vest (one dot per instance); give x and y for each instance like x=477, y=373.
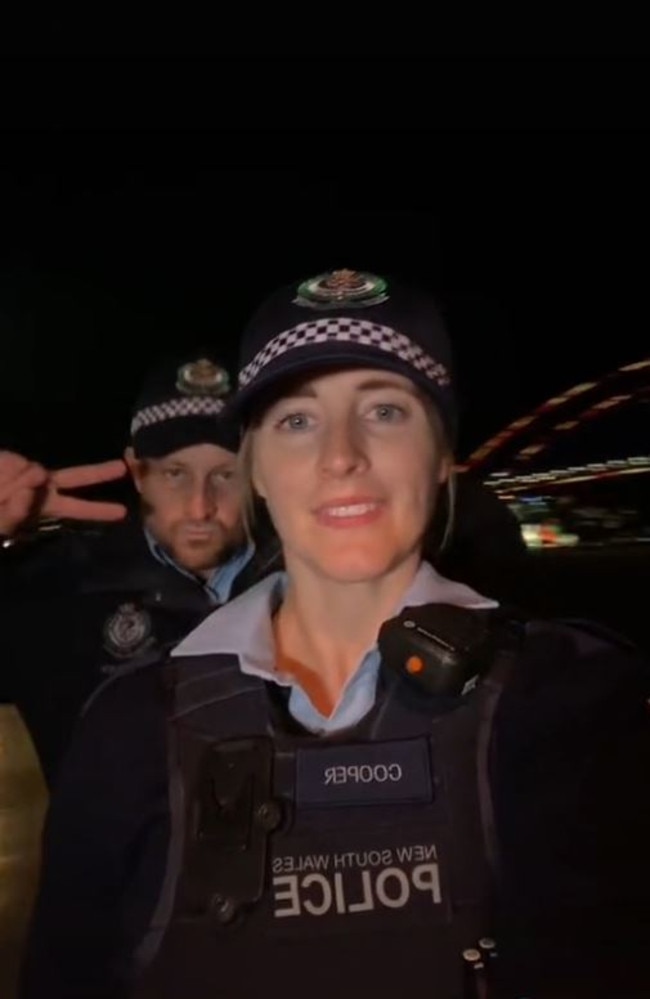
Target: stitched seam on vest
x=202, y=677
x=197, y=705
x=159, y=921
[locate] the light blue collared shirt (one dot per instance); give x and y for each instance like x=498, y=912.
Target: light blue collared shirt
x=244, y=628
x=221, y=580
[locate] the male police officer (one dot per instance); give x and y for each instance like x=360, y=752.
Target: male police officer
x=77, y=605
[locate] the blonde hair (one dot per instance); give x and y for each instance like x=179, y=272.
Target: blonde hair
x=245, y=470
x=250, y=499
x=449, y=487
x=450, y=520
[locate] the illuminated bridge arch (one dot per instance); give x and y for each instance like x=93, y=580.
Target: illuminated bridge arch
x=525, y=440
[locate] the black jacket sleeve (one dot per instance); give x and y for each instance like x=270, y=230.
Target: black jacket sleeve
x=572, y=765
x=105, y=845
x=32, y=571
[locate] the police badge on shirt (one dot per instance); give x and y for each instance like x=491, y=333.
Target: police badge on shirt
x=128, y=631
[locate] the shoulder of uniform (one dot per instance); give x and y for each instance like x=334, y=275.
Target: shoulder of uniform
x=154, y=667
x=159, y=672
x=588, y=636
x=583, y=659
x=51, y=559
x=584, y=635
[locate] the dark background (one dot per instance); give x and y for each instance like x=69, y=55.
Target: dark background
x=148, y=204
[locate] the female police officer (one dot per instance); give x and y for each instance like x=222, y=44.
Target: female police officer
x=352, y=774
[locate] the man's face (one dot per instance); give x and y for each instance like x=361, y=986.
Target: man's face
x=192, y=504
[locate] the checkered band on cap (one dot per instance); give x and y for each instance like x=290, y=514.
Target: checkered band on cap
x=356, y=332
x=174, y=408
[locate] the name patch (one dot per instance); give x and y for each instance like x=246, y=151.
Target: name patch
x=365, y=774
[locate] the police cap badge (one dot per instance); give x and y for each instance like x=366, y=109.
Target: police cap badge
x=344, y=288
x=202, y=377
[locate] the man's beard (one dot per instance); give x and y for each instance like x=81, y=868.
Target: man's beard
x=231, y=545
x=227, y=543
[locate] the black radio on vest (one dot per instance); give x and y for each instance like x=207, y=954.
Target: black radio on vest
x=442, y=649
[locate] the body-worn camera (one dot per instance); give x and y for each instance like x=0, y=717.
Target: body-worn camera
x=442, y=649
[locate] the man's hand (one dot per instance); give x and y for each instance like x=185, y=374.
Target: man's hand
x=27, y=490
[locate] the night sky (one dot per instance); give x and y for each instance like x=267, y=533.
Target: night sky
x=119, y=244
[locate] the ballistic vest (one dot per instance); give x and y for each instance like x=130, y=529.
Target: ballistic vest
x=359, y=864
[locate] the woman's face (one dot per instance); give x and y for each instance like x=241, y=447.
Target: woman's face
x=349, y=466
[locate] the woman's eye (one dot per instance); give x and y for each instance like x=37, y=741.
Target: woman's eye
x=294, y=421
x=388, y=412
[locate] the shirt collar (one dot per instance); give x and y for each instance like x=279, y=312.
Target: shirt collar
x=221, y=580
x=243, y=627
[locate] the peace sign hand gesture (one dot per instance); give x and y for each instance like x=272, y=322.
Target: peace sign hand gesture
x=28, y=490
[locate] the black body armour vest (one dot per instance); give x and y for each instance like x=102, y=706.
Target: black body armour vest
x=353, y=865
